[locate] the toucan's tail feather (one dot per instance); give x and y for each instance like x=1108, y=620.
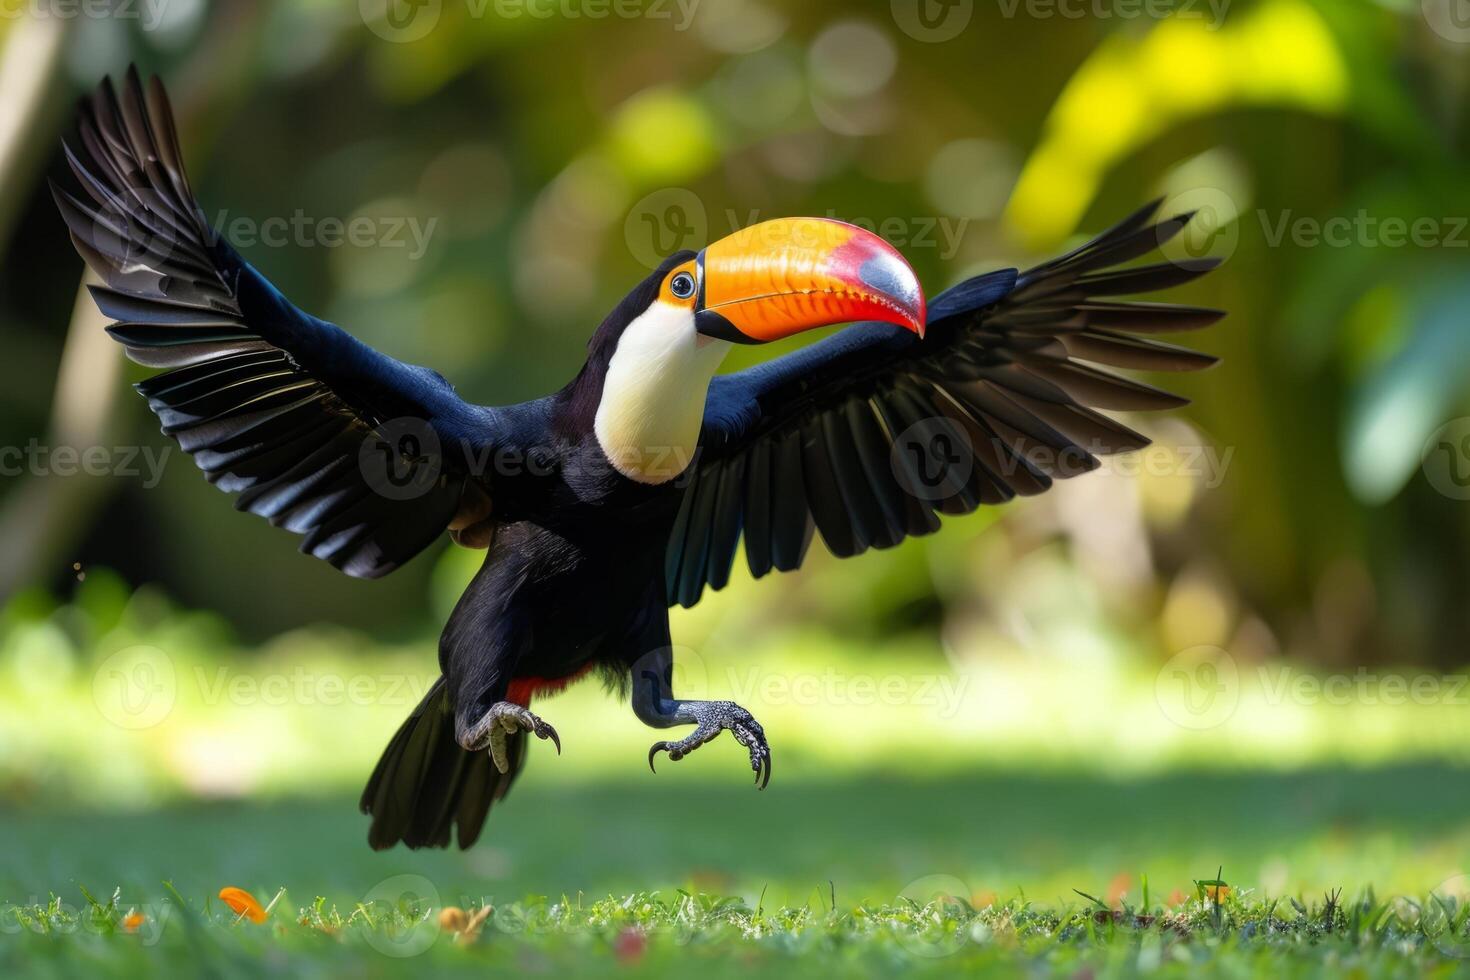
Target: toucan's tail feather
x=425, y=784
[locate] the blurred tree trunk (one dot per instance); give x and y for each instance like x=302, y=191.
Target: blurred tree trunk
x=43, y=518
x=30, y=65
x=30, y=70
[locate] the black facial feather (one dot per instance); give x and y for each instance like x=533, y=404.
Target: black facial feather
x=577, y=402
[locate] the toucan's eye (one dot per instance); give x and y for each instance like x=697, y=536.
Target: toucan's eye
x=682, y=285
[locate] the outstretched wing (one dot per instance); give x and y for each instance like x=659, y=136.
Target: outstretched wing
x=871, y=434
x=315, y=431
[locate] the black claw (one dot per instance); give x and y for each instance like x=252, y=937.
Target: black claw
x=657, y=747
x=745, y=729
x=555, y=739
x=761, y=763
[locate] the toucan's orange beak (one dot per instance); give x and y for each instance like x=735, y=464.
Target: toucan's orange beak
x=781, y=277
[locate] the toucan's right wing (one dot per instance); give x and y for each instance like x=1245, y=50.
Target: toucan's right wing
x=315, y=431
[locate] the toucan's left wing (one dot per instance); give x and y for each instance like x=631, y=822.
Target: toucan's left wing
x=868, y=436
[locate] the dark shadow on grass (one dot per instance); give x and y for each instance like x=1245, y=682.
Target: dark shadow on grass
x=866, y=834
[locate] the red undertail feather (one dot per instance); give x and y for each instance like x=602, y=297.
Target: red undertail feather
x=522, y=688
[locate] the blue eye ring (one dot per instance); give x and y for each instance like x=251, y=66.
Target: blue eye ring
x=682, y=285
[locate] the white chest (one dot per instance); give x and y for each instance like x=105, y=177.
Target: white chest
x=652, y=403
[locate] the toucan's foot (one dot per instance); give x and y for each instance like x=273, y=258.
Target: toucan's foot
x=714, y=717
x=503, y=718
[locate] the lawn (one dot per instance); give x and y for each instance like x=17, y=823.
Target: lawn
x=1018, y=811
x=868, y=876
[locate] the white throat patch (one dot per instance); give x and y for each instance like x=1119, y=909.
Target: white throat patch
x=653, y=398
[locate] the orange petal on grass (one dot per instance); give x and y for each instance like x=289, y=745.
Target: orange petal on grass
x=1216, y=892
x=243, y=903
x=133, y=921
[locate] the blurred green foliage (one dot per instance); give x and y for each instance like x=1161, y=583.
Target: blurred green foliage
x=545, y=158
x=122, y=699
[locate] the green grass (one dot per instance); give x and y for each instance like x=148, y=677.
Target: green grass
x=910, y=835
x=843, y=876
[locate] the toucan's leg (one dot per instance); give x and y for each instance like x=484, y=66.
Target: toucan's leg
x=655, y=704
x=503, y=718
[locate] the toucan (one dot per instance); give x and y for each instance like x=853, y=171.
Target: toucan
x=630, y=489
